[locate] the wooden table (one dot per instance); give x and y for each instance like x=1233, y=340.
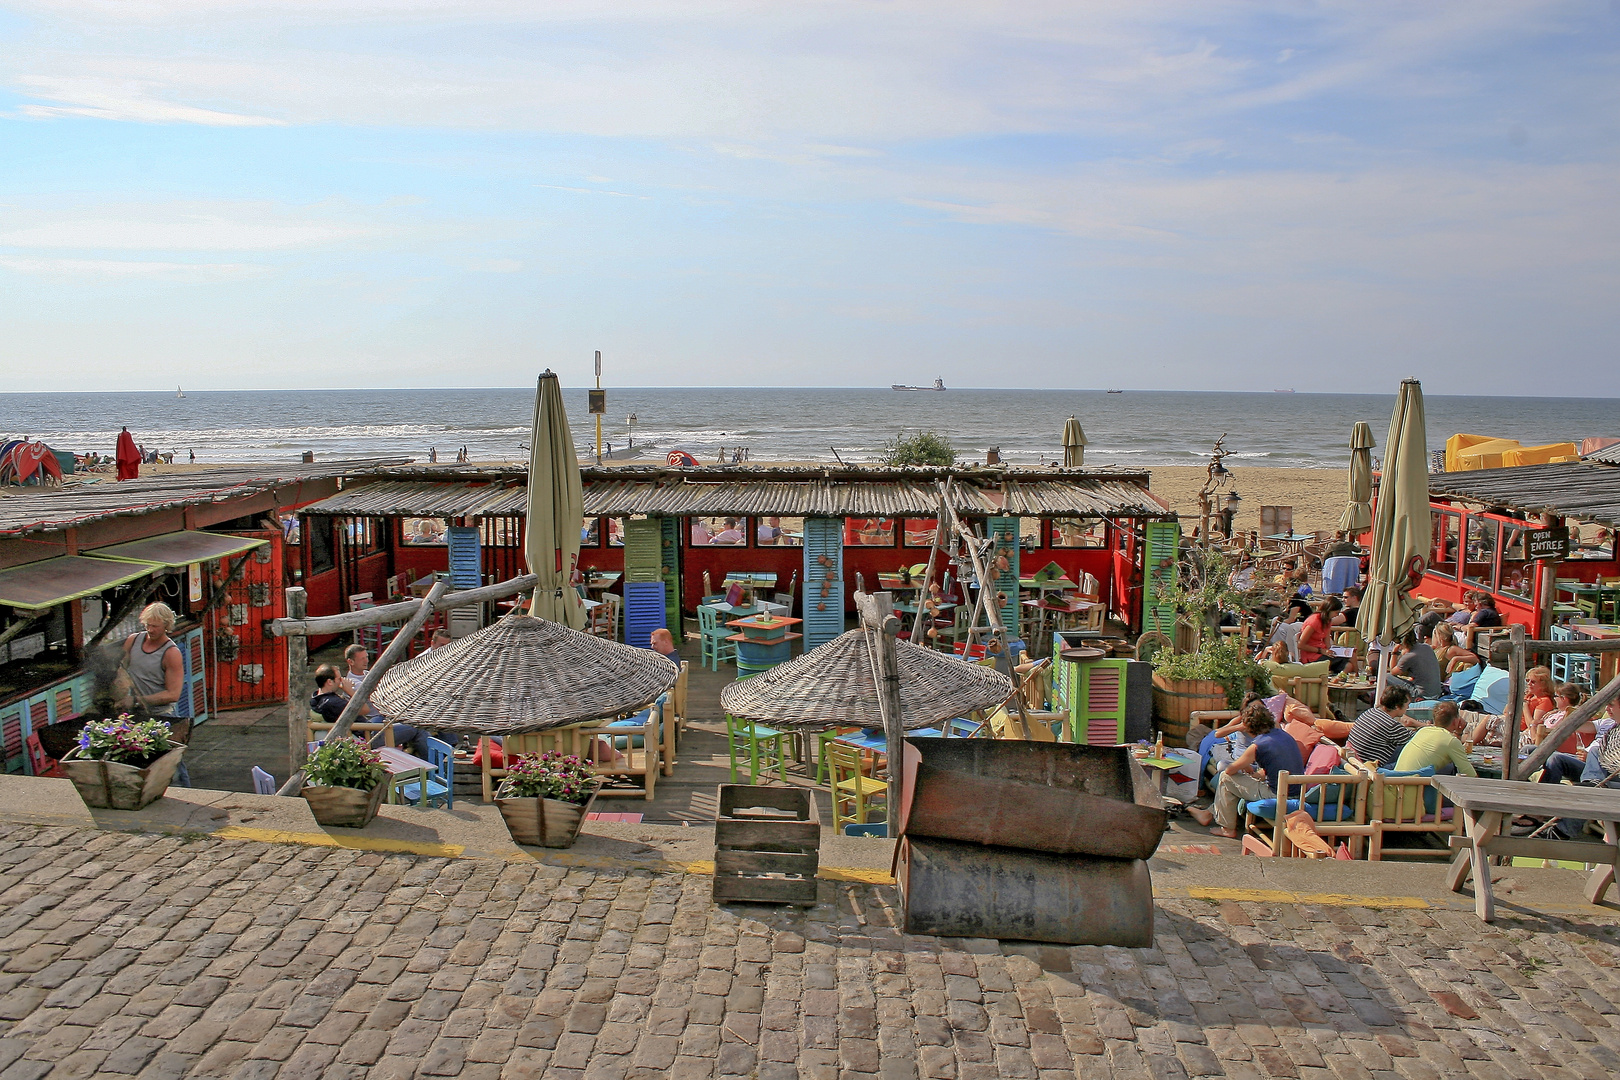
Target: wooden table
x=401, y=766
x=1347, y=695
x=1487, y=805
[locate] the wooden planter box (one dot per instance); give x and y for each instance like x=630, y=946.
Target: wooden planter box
x=112, y=785
x=1175, y=700
x=346, y=807
x=543, y=822
x=767, y=845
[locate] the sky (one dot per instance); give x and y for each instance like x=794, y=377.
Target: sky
x=1329, y=196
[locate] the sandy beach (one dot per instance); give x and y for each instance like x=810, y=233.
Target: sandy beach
x=1317, y=495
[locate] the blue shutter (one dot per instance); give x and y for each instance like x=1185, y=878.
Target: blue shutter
x=1004, y=530
x=643, y=612
x=466, y=562
x=823, y=615
x=193, y=701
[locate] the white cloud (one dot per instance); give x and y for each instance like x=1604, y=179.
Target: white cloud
x=204, y=225
x=118, y=270
x=100, y=99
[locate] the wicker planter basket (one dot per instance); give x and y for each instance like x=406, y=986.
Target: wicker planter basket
x=344, y=806
x=541, y=822
x=111, y=785
x=1175, y=700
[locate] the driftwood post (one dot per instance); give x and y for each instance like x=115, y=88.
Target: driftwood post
x=391, y=655
x=881, y=625
x=1548, y=597
x=300, y=684
x=372, y=616
x=933, y=553
x=1515, y=700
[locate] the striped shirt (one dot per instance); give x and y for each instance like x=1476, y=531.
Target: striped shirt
x=1378, y=736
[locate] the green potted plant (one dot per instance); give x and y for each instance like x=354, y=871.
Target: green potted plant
x=1215, y=677
x=344, y=783
x=123, y=764
x=545, y=797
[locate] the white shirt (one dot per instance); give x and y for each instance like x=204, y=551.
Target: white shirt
x=1288, y=632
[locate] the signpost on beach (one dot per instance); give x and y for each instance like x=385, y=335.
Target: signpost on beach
x=598, y=399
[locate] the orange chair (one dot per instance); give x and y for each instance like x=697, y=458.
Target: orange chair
x=38, y=763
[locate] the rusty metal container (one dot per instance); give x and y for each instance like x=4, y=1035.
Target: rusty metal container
x=952, y=889
x=1060, y=798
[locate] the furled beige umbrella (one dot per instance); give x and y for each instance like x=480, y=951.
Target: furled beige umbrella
x=1357, y=517
x=1401, y=530
x=556, y=509
x=1074, y=445
x=522, y=674
x=832, y=685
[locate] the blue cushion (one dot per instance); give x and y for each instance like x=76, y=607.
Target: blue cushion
x=1267, y=808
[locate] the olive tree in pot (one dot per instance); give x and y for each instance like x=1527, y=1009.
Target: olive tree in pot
x=123, y=764
x=344, y=783
x=545, y=797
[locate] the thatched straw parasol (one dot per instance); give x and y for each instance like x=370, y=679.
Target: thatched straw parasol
x=832, y=685
x=522, y=674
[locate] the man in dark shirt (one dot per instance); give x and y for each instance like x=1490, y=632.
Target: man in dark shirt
x=329, y=697
x=1380, y=734
x=1352, y=605
x=1253, y=774
x=1418, y=670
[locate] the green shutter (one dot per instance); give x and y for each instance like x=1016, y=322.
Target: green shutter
x=643, y=543
x=669, y=563
x=1160, y=558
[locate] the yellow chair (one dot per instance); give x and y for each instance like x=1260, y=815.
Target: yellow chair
x=850, y=788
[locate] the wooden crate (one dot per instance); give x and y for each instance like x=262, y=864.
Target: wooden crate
x=767, y=845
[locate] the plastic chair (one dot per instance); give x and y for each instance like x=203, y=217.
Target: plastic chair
x=851, y=788
x=712, y=639
x=764, y=748
x=441, y=782
x=38, y=762
x=263, y=782
x=823, y=740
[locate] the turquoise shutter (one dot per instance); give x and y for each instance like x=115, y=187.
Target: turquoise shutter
x=1004, y=530
x=823, y=612
x=1160, y=555
x=466, y=561
x=194, y=679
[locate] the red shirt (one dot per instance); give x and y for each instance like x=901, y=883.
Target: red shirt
x=1313, y=639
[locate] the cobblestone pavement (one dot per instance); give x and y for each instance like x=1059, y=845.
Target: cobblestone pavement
x=150, y=956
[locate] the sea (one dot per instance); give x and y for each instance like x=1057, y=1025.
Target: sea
x=1135, y=428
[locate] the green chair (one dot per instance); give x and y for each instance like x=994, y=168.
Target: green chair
x=712, y=635
x=762, y=747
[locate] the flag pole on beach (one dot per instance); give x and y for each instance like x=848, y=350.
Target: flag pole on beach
x=597, y=405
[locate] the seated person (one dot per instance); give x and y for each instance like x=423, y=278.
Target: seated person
x=1565, y=698
x=1380, y=734
x=731, y=534
x=1451, y=656
x=1491, y=688
x=1463, y=612
x=1436, y=744
x=405, y=736
x=441, y=638
x=1315, y=638
x=663, y=643
x=1251, y=775
x=1352, y=605
x=329, y=698
x=1286, y=634
x=1417, y=669
x=1599, y=767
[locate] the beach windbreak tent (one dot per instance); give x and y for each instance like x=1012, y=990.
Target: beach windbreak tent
x=1357, y=517
x=128, y=456
x=1401, y=532
x=1074, y=445
x=551, y=532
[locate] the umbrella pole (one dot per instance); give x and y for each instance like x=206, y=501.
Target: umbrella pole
x=1383, y=673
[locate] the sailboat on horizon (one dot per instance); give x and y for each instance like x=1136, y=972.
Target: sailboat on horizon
x=179, y=392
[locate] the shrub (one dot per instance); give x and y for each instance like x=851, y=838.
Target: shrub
x=550, y=775
x=923, y=448
x=344, y=763
x=1225, y=662
x=125, y=740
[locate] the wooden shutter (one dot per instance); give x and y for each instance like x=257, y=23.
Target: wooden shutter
x=823, y=614
x=1004, y=530
x=1160, y=556
x=193, y=679
x=466, y=565
x=643, y=611
x=643, y=541
x=1094, y=694
x=669, y=570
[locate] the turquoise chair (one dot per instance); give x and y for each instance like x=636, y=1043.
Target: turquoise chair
x=762, y=747
x=441, y=782
x=712, y=634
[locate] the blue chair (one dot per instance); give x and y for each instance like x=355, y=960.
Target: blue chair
x=876, y=828
x=441, y=783
x=263, y=782
x=712, y=634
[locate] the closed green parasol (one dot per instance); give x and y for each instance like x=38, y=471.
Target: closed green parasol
x=556, y=509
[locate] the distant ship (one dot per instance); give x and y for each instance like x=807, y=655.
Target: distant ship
x=1116, y=391
x=1282, y=391
x=939, y=384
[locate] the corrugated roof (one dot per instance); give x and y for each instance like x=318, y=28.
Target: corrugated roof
x=797, y=493
x=1609, y=454
x=81, y=503
x=1587, y=489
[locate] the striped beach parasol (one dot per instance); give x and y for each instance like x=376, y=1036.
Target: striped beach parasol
x=832, y=686
x=522, y=674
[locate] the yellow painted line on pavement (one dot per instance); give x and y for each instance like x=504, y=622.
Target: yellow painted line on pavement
x=1280, y=896
x=357, y=843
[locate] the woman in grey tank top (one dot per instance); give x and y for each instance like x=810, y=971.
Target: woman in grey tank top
x=154, y=662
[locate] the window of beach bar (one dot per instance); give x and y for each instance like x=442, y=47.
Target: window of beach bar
x=1079, y=532
x=1443, y=556
x=1479, y=561
x=869, y=532
x=1518, y=574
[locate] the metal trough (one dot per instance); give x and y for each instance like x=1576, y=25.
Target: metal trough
x=952, y=889
x=1060, y=798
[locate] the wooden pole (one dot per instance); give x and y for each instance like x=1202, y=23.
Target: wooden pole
x=391, y=655
x=1588, y=710
x=1547, y=597
x=1515, y=699
x=354, y=620
x=300, y=684
x=933, y=553
x=881, y=625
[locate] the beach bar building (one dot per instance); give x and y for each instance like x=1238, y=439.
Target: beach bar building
x=1540, y=539
x=657, y=534
x=78, y=563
